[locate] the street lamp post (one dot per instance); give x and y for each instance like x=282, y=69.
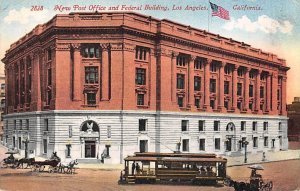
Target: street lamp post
x=26, y=141
x=245, y=143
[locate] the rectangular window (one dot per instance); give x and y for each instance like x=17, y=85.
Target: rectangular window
x=46, y=123
x=217, y=143
x=279, y=126
x=91, y=98
x=15, y=124
x=201, y=125
x=197, y=102
x=45, y=146
x=180, y=81
x=90, y=51
x=140, y=76
x=180, y=101
x=212, y=104
x=254, y=126
x=68, y=154
x=14, y=142
x=49, y=54
x=49, y=97
x=198, y=64
x=278, y=95
x=202, y=145
x=140, y=99
x=261, y=106
x=250, y=90
x=70, y=131
x=213, y=67
x=27, y=124
x=184, y=125
x=185, y=145
x=226, y=105
x=212, y=86
x=142, y=124
x=197, y=83
x=251, y=106
x=261, y=91
x=108, y=131
x=266, y=141
x=226, y=87
x=143, y=146
x=20, y=121
x=255, y=142
x=91, y=75
x=20, y=142
x=141, y=53
x=243, y=125
x=265, y=126
x=49, y=73
x=181, y=60
x=239, y=89
x=216, y=125
x=239, y=105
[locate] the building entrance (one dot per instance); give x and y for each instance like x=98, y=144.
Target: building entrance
x=90, y=149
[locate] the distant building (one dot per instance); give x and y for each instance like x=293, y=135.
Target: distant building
x=2, y=105
x=294, y=120
x=89, y=85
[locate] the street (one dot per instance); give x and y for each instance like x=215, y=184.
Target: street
x=285, y=176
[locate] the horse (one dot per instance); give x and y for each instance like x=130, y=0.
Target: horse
x=27, y=161
x=71, y=166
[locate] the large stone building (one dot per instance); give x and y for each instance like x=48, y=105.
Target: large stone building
x=88, y=85
x=294, y=120
x=2, y=105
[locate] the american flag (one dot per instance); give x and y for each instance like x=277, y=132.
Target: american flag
x=219, y=11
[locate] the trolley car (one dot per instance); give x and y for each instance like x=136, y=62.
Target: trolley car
x=178, y=167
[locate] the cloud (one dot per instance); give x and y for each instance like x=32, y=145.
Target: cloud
x=264, y=24
x=25, y=16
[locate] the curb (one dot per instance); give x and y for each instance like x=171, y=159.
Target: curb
x=261, y=162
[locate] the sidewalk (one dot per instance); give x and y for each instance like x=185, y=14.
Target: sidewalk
x=258, y=158
x=231, y=161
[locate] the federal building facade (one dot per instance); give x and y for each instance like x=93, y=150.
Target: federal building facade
x=105, y=85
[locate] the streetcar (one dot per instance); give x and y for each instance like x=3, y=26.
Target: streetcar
x=174, y=167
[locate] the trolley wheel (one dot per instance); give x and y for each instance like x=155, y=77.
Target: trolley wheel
x=35, y=167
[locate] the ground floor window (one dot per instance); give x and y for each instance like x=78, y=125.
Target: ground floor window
x=185, y=145
x=20, y=142
x=202, y=145
x=68, y=154
x=217, y=143
x=143, y=146
x=14, y=142
x=255, y=142
x=45, y=145
x=266, y=140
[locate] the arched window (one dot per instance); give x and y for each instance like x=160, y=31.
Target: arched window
x=90, y=125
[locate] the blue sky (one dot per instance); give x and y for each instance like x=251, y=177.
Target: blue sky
x=275, y=27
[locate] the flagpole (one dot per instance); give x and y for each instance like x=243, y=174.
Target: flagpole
x=208, y=16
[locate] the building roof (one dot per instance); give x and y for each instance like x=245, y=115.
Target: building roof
x=151, y=26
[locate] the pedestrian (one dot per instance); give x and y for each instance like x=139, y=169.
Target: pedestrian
x=137, y=167
x=132, y=168
x=264, y=156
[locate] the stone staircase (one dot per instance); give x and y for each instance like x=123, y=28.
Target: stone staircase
x=88, y=161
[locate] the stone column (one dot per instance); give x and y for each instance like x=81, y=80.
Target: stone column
x=77, y=73
x=268, y=98
x=247, y=82
x=234, y=87
x=35, y=79
x=207, y=85
x=257, y=91
x=274, y=93
x=283, y=96
x=173, y=77
x=221, y=88
x=191, y=82
x=105, y=89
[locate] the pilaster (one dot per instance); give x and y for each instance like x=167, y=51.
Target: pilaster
x=207, y=85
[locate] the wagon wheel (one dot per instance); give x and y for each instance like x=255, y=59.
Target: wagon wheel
x=42, y=167
x=51, y=169
x=25, y=165
x=3, y=164
x=35, y=167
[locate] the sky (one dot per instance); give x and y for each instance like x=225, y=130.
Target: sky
x=270, y=25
